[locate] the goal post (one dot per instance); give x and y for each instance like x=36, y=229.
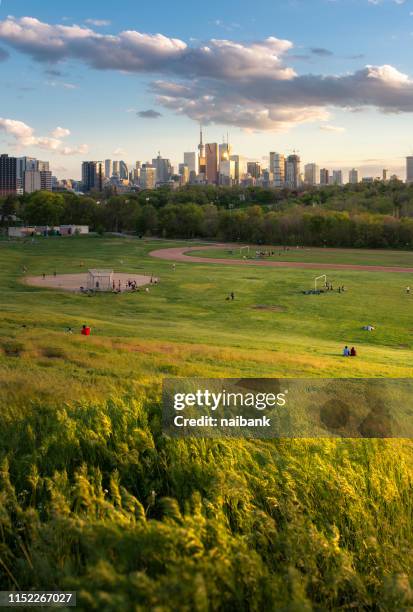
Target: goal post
x=318, y=278
x=244, y=248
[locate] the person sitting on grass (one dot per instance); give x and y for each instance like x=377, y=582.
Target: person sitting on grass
x=353, y=352
x=85, y=331
x=346, y=352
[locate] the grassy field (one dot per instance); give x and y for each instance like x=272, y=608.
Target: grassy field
x=94, y=498
x=318, y=255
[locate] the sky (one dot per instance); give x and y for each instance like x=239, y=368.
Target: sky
x=331, y=79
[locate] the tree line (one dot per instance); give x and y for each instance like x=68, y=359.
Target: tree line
x=377, y=215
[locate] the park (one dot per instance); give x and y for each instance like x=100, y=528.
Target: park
x=95, y=497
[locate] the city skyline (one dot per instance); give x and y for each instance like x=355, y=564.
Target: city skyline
x=101, y=83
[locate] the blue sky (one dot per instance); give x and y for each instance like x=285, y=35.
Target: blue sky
x=292, y=75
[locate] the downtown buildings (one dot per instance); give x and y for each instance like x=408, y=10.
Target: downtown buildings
x=20, y=175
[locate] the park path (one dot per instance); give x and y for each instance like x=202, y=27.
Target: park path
x=181, y=254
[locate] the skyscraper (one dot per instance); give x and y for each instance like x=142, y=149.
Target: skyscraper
x=92, y=175
x=337, y=177
x=225, y=150
x=8, y=175
x=311, y=174
x=123, y=171
x=45, y=180
x=32, y=181
x=190, y=160
x=277, y=169
x=324, y=176
x=353, y=177
x=254, y=169
x=163, y=169
x=240, y=167
x=108, y=168
x=409, y=169
x=292, y=172
x=148, y=177
x=227, y=172
x=211, y=162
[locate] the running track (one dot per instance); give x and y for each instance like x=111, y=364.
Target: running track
x=180, y=254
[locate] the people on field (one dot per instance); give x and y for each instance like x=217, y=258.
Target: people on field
x=346, y=352
x=85, y=331
x=368, y=328
x=408, y=290
x=232, y=294
x=353, y=352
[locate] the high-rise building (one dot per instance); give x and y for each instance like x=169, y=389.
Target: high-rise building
x=184, y=174
x=254, y=169
x=45, y=180
x=324, y=176
x=123, y=171
x=409, y=169
x=108, y=168
x=227, y=172
x=8, y=175
x=43, y=166
x=163, y=169
x=225, y=151
x=353, y=177
x=311, y=174
x=190, y=160
x=384, y=175
x=292, y=171
x=211, y=162
x=240, y=167
x=92, y=175
x=32, y=181
x=115, y=168
x=277, y=169
x=337, y=177
x=147, y=179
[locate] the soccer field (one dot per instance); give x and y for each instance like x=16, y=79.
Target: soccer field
x=95, y=499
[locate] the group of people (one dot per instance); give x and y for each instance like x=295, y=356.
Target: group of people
x=231, y=297
x=349, y=352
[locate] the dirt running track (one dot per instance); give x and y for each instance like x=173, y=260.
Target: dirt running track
x=180, y=254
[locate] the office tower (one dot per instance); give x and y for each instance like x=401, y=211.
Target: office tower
x=163, y=169
x=254, y=169
x=8, y=175
x=337, y=177
x=184, y=174
x=31, y=181
x=108, y=168
x=353, y=177
x=123, y=171
x=147, y=179
x=409, y=169
x=137, y=171
x=292, y=172
x=45, y=180
x=92, y=175
x=115, y=168
x=240, y=167
x=43, y=166
x=225, y=151
x=211, y=162
x=201, y=154
x=311, y=174
x=384, y=174
x=277, y=169
x=324, y=176
x=26, y=164
x=190, y=160
x=227, y=172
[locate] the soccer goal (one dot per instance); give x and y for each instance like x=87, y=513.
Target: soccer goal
x=319, y=278
x=243, y=249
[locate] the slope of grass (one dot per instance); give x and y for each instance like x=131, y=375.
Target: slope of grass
x=94, y=498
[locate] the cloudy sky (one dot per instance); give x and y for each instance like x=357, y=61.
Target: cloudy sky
x=332, y=79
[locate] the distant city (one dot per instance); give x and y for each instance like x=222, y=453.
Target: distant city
x=210, y=164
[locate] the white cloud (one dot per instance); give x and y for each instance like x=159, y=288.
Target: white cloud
x=24, y=137
x=249, y=85
x=60, y=132
x=98, y=22
x=332, y=128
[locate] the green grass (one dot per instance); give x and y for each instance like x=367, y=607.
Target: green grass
x=363, y=257
x=94, y=498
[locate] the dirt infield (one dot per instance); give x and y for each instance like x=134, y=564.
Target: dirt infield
x=73, y=282
x=181, y=254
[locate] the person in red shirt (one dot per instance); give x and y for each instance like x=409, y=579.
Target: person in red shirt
x=353, y=352
x=85, y=330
